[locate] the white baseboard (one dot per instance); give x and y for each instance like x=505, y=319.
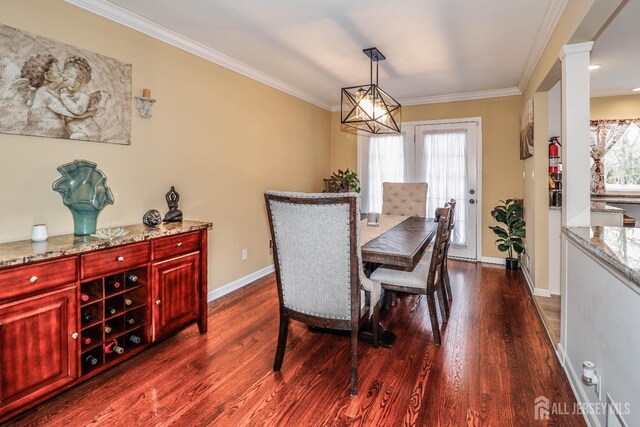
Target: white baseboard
x=492, y=260
x=539, y=292
x=237, y=284
x=529, y=280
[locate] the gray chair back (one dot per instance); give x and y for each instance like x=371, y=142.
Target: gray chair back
x=315, y=240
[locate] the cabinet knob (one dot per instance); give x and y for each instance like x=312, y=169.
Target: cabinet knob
x=120, y=259
x=157, y=302
x=74, y=335
x=179, y=244
x=33, y=279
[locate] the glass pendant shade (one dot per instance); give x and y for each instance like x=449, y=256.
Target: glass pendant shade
x=367, y=107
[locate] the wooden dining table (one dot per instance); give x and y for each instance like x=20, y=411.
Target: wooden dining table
x=396, y=240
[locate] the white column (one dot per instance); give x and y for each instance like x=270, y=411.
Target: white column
x=576, y=197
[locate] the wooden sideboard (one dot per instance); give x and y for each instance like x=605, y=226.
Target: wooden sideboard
x=72, y=307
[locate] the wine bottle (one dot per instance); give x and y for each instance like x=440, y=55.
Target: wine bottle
x=135, y=339
x=87, y=318
x=111, y=310
x=86, y=340
x=131, y=321
x=117, y=349
x=128, y=301
x=115, y=284
x=132, y=278
x=85, y=297
x=91, y=360
x=107, y=329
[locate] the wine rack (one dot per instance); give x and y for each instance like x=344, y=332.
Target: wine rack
x=113, y=316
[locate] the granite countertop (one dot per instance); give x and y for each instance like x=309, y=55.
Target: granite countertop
x=597, y=207
x=623, y=198
x=25, y=251
x=618, y=247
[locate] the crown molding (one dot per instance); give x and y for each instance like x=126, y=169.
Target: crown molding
x=465, y=96
x=129, y=19
x=549, y=23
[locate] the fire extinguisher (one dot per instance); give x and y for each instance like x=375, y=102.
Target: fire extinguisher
x=554, y=155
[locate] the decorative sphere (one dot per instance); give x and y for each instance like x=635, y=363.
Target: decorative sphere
x=152, y=218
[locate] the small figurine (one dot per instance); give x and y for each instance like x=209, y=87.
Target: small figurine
x=152, y=218
x=174, y=214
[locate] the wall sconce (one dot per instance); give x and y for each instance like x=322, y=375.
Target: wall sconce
x=145, y=102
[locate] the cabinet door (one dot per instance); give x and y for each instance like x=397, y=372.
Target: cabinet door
x=176, y=295
x=37, y=352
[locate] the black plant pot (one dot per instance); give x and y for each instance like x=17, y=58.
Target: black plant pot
x=512, y=264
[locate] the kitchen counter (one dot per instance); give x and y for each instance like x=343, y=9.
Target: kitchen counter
x=597, y=207
x=631, y=199
x=617, y=247
x=25, y=251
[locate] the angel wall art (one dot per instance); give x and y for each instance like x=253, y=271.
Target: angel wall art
x=54, y=90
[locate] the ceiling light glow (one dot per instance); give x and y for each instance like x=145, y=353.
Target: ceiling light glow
x=594, y=67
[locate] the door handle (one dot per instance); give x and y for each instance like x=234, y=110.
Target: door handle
x=472, y=201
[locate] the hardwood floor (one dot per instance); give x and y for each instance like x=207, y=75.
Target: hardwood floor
x=550, y=311
x=495, y=359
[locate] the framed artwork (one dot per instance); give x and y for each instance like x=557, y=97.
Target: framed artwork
x=526, y=130
x=54, y=90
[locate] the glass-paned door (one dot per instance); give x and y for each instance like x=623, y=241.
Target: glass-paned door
x=446, y=160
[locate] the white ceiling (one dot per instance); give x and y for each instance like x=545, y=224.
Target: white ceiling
x=617, y=49
x=314, y=47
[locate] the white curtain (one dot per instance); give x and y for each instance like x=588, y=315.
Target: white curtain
x=444, y=167
x=386, y=163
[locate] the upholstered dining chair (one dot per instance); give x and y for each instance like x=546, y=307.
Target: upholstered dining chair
x=319, y=273
x=404, y=198
x=426, y=277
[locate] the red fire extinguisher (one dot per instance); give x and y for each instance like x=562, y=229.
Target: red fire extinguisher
x=554, y=154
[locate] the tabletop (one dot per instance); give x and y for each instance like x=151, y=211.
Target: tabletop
x=398, y=241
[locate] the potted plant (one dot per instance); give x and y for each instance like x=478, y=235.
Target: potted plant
x=342, y=182
x=510, y=237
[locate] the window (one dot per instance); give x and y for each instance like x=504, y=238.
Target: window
x=622, y=162
x=385, y=163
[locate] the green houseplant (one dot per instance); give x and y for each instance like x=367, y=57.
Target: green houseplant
x=510, y=236
x=342, y=182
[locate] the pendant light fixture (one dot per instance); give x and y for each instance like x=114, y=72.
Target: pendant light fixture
x=369, y=108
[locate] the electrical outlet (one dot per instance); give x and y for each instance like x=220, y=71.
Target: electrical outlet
x=245, y=255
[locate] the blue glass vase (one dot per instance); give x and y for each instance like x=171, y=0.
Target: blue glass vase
x=84, y=191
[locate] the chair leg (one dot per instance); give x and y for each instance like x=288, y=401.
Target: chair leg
x=375, y=325
x=447, y=283
x=354, y=361
x=444, y=307
x=282, y=342
x=431, y=304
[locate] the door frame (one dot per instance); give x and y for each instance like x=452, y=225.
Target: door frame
x=479, y=192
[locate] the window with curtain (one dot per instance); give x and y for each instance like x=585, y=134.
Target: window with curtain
x=622, y=162
x=614, y=153
x=444, y=167
x=385, y=163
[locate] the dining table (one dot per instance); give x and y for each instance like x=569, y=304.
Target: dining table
x=397, y=241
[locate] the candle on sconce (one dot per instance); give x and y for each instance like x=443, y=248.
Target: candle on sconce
x=146, y=93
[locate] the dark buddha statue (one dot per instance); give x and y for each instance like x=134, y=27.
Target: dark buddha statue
x=174, y=214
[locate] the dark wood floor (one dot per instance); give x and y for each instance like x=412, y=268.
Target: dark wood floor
x=494, y=361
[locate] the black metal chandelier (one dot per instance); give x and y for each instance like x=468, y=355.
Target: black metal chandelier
x=369, y=108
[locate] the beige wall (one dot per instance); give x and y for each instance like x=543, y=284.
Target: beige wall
x=219, y=137
x=536, y=190
x=501, y=167
x=615, y=107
